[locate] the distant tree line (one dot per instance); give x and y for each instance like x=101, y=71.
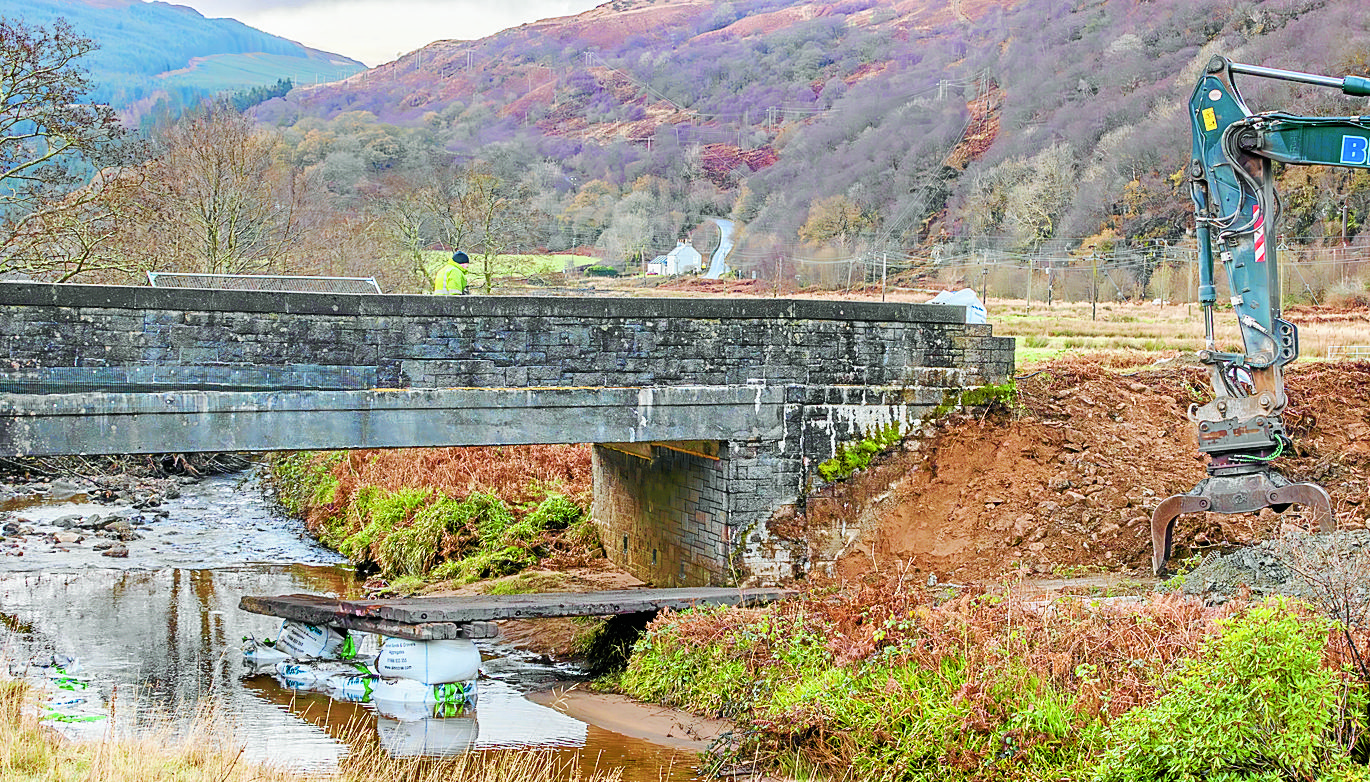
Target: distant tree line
x=1037, y=124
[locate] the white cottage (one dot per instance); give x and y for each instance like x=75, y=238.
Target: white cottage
x=684, y=259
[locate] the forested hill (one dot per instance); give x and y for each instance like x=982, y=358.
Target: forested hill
x=851, y=124
x=151, y=52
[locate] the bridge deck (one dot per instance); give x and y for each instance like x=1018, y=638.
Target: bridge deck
x=468, y=616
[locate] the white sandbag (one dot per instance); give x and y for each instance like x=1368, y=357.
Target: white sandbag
x=298, y=639
x=259, y=655
x=401, y=710
x=315, y=674
x=975, y=309
x=391, y=690
x=430, y=662
x=354, y=688
x=359, y=646
x=428, y=737
x=296, y=676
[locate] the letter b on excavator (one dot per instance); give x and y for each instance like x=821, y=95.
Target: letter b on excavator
x=1354, y=150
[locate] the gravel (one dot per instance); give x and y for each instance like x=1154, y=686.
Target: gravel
x=1298, y=565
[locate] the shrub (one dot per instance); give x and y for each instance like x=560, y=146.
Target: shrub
x=1255, y=704
x=380, y=512
x=598, y=270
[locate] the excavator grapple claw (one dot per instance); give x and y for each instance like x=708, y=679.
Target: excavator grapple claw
x=1243, y=493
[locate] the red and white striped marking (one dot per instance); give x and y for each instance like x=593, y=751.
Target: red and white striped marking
x=1259, y=220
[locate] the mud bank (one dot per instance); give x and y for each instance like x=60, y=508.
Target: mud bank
x=621, y=714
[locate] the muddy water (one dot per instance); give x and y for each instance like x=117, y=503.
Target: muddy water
x=159, y=633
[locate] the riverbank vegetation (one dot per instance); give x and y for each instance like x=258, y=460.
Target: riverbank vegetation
x=452, y=515
x=32, y=752
x=889, y=681
x=206, y=751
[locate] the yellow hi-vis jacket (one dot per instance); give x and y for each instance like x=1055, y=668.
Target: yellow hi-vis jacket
x=450, y=281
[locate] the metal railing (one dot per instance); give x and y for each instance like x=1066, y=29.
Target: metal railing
x=1348, y=352
x=263, y=282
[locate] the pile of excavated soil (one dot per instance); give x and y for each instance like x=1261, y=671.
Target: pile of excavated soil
x=1065, y=481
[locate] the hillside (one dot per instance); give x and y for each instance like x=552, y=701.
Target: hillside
x=859, y=125
x=159, y=52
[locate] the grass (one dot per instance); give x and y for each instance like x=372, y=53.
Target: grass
x=31, y=752
x=1046, y=332
x=460, y=515
x=206, y=751
x=527, y=265
x=238, y=71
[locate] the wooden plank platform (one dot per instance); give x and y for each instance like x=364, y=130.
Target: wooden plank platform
x=469, y=616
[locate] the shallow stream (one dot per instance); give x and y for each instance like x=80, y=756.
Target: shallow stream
x=158, y=632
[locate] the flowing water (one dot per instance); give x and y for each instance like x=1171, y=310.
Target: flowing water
x=159, y=632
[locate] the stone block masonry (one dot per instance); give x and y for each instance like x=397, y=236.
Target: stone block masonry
x=216, y=366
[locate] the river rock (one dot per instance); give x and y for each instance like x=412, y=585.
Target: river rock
x=66, y=522
x=67, y=537
x=64, y=489
x=103, y=545
x=10, y=528
x=120, y=526
x=91, y=522
x=115, y=551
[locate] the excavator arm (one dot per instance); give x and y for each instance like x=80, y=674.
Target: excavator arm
x=1236, y=210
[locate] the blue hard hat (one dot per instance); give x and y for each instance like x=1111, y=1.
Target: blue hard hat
x=460, y=257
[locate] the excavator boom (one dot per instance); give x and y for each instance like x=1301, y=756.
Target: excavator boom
x=1236, y=210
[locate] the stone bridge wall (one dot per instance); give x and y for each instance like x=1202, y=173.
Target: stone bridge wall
x=844, y=368
x=75, y=337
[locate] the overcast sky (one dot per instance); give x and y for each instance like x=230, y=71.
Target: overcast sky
x=377, y=31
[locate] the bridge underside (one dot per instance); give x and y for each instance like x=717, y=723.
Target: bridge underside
x=212, y=421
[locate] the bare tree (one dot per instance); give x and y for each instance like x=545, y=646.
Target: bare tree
x=501, y=218
x=224, y=204
x=53, y=149
x=85, y=233
x=403, y=217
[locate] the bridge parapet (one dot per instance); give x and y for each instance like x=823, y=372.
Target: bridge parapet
x=776, y=384
x=60, y=338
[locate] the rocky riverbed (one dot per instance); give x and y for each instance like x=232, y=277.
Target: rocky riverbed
x=130, y=522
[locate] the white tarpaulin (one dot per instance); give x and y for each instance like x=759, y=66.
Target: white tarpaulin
x=975, y=309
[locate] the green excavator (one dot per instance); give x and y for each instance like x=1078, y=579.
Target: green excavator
x=1236, y=210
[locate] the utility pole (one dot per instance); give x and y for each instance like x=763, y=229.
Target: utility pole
x=1193, y=285
x=884, y=273
x=1094, y=286
x=1029, y=285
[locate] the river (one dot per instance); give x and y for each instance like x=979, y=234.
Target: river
x=158, y=633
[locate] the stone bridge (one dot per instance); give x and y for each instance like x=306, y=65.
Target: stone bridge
x=707, y=415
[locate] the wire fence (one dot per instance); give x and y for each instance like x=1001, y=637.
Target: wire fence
x=1061, y=271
